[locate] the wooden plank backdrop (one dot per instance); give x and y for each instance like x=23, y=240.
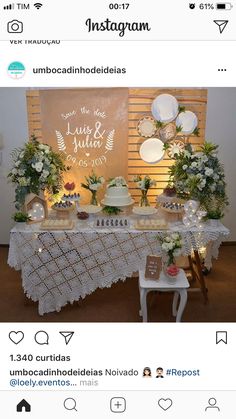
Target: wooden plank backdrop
x=140, y=100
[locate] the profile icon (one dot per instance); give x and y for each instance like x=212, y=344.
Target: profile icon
x=159, y=372
x=212, y=405
x=147, y=373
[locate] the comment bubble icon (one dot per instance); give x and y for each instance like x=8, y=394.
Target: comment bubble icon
x=41, y=338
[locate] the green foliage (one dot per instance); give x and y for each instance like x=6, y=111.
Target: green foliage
x=196, y=132
x=209, y=148
x=182, y=109
x=201, y=176
x=159, y=124
x=179, y=128
x=36, y=167
x=20, y=217
x=166, y=146
x=216, y=214
x=111, y=210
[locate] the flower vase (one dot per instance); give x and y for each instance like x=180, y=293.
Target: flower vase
x=170, y=268
x=94, y=200
x=144, y=200
x=214, y=222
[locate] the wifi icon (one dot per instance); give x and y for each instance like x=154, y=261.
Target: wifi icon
x=38, y=5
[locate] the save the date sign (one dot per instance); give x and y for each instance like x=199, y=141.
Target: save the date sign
x=153, y=267
x=90, y=127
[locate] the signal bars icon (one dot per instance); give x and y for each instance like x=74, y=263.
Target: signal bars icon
x=9, y=7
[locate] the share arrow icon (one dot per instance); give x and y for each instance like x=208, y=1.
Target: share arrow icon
x=67, y=336
x=221, y=24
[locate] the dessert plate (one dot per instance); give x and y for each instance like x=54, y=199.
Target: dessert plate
x=144, y=210
x=118, y=206
x=91, y=209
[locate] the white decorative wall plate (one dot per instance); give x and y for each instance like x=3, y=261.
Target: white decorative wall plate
x=165, y=108
x=151, y=151
x=147, y=127
x=188, y=121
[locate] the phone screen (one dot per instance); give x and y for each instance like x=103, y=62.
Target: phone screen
x=117, y=214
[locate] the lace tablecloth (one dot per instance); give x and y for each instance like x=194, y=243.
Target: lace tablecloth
x=63, y=266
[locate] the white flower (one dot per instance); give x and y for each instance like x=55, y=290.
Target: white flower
x=184, y=167
x=208, y=171
x=175, y=236
x=44, y=148
x=23, y=181
x=14, y=171
x=38, y=166
x=199, y=154
x=199, y=176
x=194, y=164
x=177, y=252
x=139, y=184
x=186, y=153
x=143, y=185
x=167, y=246
x=204, y=159
x=45, y=173
x=118, y=181
x=215, y=177
x=202, y=184
x=21, y=172
x=94, y=186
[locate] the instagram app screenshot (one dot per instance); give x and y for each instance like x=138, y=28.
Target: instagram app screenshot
x=117, y=209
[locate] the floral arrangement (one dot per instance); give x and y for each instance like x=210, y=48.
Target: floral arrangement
x=36, y=167
x=200, y=176
x=20, y=217
x=117, y=181
x=93, y=183
x=171, y=244
x=144, y=184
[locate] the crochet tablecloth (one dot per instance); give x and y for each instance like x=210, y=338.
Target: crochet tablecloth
x=61, y=267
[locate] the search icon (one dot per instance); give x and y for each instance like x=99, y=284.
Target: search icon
x=70, y=404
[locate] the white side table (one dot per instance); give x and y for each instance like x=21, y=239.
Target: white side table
x=179, y=287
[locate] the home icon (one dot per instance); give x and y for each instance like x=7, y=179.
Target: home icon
x=23, y=406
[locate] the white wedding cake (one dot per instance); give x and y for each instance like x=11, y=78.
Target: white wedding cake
x=117, y=193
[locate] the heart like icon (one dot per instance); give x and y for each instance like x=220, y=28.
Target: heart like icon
x=165, y=404
x=16, y=337
x=87, y=154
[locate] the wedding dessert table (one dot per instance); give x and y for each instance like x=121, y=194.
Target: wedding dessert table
x=60, y=267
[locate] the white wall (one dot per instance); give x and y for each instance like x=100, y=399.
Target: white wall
x=221, y=129
x=14, y=131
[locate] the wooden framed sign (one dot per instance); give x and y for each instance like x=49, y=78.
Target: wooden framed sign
x=153, y=267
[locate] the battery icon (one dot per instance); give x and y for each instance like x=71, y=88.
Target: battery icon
x=224, y=6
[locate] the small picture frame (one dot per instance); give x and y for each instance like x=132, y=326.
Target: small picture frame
x=153, y=267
